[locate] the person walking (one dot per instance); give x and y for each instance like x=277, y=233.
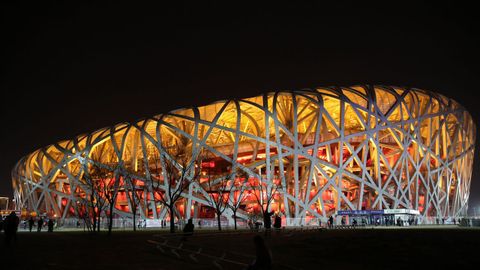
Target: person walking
x=39, y=225
x=330, y=222
x=31, y=222
x=277, y=223
x=263, y=259
x=250, y=224
x=11, y=226
x=50, y=225
x=267, y=221
x=188, y=229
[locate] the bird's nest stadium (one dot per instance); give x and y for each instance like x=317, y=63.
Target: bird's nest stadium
x=317, y=151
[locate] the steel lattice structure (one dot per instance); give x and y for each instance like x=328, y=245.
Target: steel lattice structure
x=332, y=148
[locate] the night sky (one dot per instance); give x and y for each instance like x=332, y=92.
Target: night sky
x=67, y=70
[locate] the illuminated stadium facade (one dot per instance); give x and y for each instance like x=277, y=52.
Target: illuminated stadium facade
x=316, y=151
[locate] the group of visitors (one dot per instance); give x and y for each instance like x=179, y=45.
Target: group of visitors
x=330, y=223
x=267, y=222
x=40, y=222
x=142, y=224
x=10, y=224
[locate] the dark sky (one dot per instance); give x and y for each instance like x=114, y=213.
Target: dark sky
x=67, y=70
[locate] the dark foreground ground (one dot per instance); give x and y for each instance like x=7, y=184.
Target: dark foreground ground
x=436, y=248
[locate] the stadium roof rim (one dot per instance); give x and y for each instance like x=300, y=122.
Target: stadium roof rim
x=312, y=90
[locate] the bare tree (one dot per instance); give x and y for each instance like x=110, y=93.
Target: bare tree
x=218, y=190
x=264, y=194
x=133, y=197
x=93, y=201
x=83, y=211
x=109, y=187
x=177, y=169
x=236, y=197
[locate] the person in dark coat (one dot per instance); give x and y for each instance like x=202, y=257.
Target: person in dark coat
x=31, y=222
x=267, y=220
x=277, y=224
x=330, y=222
x=188, y=229
x=10, y=226
x=39, y=225
x=263, y=260
x=50, y=225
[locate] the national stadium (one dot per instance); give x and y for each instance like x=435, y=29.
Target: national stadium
x=307, y=155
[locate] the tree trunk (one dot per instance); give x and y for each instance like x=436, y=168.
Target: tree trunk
x=94, y=218
x=98, y=223
x=235, y=218
x=134, y=223
x=94, y=227
x=94, y=214
x=172, y=219
x=110, y=220
x=218, y=220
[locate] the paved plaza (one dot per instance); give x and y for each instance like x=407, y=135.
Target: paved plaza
x=372, y=248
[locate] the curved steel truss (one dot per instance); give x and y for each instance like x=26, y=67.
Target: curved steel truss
x=326, y=149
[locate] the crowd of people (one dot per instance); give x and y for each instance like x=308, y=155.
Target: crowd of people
x=39, y=223
x=10, y=224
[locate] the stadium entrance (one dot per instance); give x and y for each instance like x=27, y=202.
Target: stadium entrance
x=386, y=217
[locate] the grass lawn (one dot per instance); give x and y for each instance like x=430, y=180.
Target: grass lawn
x=423, y=248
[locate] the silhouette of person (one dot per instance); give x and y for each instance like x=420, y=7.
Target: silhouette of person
x=39, y=225
x=10, y=226
x=188, y=229
x=330, y=222
x=50, y=225
x=267, y=219
x=277, y=222
x=263, y=258
x=31, y=222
